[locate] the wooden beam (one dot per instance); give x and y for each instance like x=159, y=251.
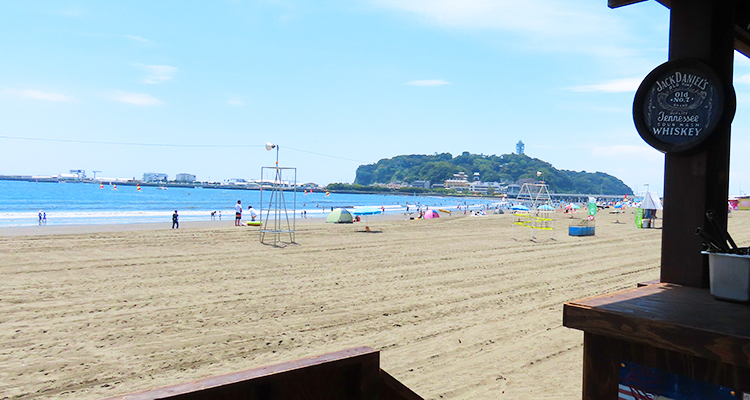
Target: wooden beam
x=695, y=183
x=620, y=3
x=347, y=374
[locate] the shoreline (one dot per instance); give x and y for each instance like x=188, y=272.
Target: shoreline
x=44, y=230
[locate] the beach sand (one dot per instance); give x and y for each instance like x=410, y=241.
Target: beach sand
x=458, y=306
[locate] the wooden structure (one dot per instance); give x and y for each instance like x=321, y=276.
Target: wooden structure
x=657, y=326
x=676, y=326
x=343, y=375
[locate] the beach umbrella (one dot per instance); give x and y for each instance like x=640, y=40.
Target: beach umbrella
x=519, y=207
x=546, y=207
x=573, y=206
x=429, y=214
x=365, y=211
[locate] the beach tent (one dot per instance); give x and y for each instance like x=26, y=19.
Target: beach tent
x=519, y=207
x=651, y=202
x=429, y=214
x=340, y=216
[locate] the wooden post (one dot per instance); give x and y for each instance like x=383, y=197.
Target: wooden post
x=699, y=29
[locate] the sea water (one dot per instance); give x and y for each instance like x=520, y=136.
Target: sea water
x=88, y=204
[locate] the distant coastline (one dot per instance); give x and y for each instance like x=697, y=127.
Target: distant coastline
x=572, y=197
x=131, y=182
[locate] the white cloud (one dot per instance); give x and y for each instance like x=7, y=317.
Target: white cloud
x=157, y=73
x=537, y=25
x=137, y=38
x=428, y=82
x=613, y=86
x=39, y=95
x=138, y=99
x=473, y=14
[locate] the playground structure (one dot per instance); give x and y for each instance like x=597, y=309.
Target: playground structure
x=275, y=221
x=539, y=213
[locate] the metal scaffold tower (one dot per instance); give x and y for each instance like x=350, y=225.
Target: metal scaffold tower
x=276, y=221
x=540, y=211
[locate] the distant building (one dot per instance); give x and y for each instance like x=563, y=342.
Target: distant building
x=421, y=184
x=460, y=182
x=438, y=186
x=182, y=177
x=476, y=177
x=520, y=147
x=483, y=187
x=79, y=172
x=154, y=177
x=309, y=185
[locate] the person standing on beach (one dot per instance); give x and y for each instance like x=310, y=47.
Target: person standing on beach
x=44, y=218
x=175, y=221
x=238, y=213
x=40, y=217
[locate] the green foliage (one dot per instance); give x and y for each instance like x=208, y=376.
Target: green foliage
x=506, y=169
x=344, y=187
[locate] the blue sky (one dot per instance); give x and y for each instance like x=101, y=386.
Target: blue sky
x=334, y=83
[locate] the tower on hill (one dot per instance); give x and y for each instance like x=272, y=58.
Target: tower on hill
x=520, y=147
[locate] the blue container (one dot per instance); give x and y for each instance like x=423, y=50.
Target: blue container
x=581, y=230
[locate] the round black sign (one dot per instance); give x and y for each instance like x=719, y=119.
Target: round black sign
x=680, y=104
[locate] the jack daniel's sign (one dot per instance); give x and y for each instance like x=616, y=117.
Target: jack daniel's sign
x=680, y=104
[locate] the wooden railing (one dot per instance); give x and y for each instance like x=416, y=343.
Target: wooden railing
x=347, y=374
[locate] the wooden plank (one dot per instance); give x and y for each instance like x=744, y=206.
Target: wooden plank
x=665, y=316
x=347, y=374
x=647, y=283
x=620, y=3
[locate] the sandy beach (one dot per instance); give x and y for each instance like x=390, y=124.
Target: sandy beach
x=461, y=307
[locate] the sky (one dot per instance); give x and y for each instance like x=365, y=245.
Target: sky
x=125, y=88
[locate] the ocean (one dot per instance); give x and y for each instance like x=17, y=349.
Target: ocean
x=87, y=204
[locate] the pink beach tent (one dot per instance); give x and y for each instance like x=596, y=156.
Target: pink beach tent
x=429, y=214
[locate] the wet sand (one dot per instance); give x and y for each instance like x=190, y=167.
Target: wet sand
x=461, y=307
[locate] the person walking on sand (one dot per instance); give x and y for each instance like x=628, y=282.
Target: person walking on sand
x=238, y=213
x=175, y=220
